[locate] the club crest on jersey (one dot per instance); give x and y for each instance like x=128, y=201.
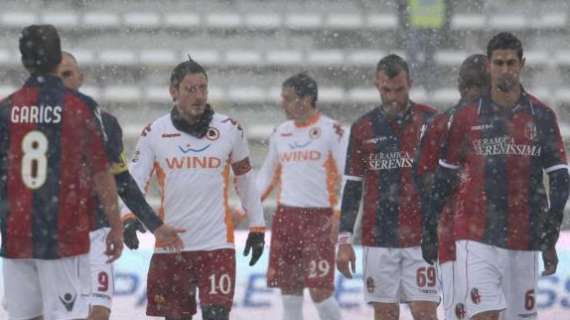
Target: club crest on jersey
x=212, y=134
x=530, y=131
x=475, y=296
x=315, y=133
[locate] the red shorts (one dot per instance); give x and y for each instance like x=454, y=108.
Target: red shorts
x=302, y=249
x=174, y=277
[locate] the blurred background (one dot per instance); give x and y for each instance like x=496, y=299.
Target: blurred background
x=127, y=49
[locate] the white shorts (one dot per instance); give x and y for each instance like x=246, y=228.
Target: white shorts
x=102, y=281
x=58, y=289
x=453, y=295
x=394, y=275
x=494, y=278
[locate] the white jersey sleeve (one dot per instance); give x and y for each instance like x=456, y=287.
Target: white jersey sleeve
x=245, y=181
x=268, y=171
x=142, y=163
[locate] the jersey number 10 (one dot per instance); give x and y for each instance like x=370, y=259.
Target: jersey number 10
x=34, y=160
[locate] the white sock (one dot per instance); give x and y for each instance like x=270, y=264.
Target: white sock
x=328, y=309
x=292, y=307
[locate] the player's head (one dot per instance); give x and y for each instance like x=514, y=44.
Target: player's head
x=68, y=71
x=473, y=77
x=40, y=47
x=393, y=83
x=506, y=61
x=189, y=88
x=299, y=94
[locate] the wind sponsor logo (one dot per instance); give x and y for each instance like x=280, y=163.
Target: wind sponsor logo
x=193, y=162
x=505, y=145
x=300, y=155
x=390, y=160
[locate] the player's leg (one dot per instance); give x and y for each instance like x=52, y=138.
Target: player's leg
x=382, y=276
x=102, y=280
x=216, y=273
x=171, y=288
x=65, y=287
x=484, y=270
x=520, y=285
x=419, y=284
x=453, y=301
x=22, y=296
x=319, y=259
x=285, y=269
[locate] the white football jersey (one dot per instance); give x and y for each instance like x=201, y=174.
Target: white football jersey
x=305, y=163
x=193, y=175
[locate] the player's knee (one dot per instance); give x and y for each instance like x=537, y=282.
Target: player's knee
x=424, y=310
x=214, y=312
x=99, y=313
x=386, y=311
x=320, y=294
x=488, y=315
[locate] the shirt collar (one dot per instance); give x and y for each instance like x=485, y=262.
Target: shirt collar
x=44, y=80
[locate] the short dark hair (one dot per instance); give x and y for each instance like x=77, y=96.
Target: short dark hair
x=304, y=86
x=40, y=47
x=392, y=65
x=505, y=41
x=182, y=69
x=473, y=72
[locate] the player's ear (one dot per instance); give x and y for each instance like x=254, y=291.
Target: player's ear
x=173, y=92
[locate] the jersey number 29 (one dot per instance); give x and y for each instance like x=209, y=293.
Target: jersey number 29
x=34, y=160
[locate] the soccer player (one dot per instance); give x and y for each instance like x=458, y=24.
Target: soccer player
x=306, y=157
x=379, y=171
x=500, y=146
x=191, y=150
x=473, y=82
x=102, y=280
x=52, y=160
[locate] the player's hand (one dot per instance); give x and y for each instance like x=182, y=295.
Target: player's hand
x=255, y=242
x=114, y=244
x=167, y=237
x=550, y=260
x=130, y=227
x=346, y=260
x=429, y=246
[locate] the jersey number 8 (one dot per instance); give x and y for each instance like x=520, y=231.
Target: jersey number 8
x=34, y=160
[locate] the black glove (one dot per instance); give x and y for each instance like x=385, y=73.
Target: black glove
x=429, y=245
x=130, y=227
x=255, y=242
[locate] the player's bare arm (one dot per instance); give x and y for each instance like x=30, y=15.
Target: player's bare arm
x=107, y=192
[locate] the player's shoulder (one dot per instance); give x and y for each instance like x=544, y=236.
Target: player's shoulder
x=538, y=105
x=158, y=127
x=367, y=118
x=224, y=121
x=82, y=97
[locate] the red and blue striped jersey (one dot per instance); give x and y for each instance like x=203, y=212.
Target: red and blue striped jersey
x=381, y=154
x=502, y=154
x=50, y=148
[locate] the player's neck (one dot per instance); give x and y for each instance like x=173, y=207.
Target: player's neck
x=506, y=99
x=307, y=119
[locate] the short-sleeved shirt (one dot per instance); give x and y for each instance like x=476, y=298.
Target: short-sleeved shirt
x=502, y=154
x=381, y=154
x=51, y=146
x=304, y=163
x=194, y=177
